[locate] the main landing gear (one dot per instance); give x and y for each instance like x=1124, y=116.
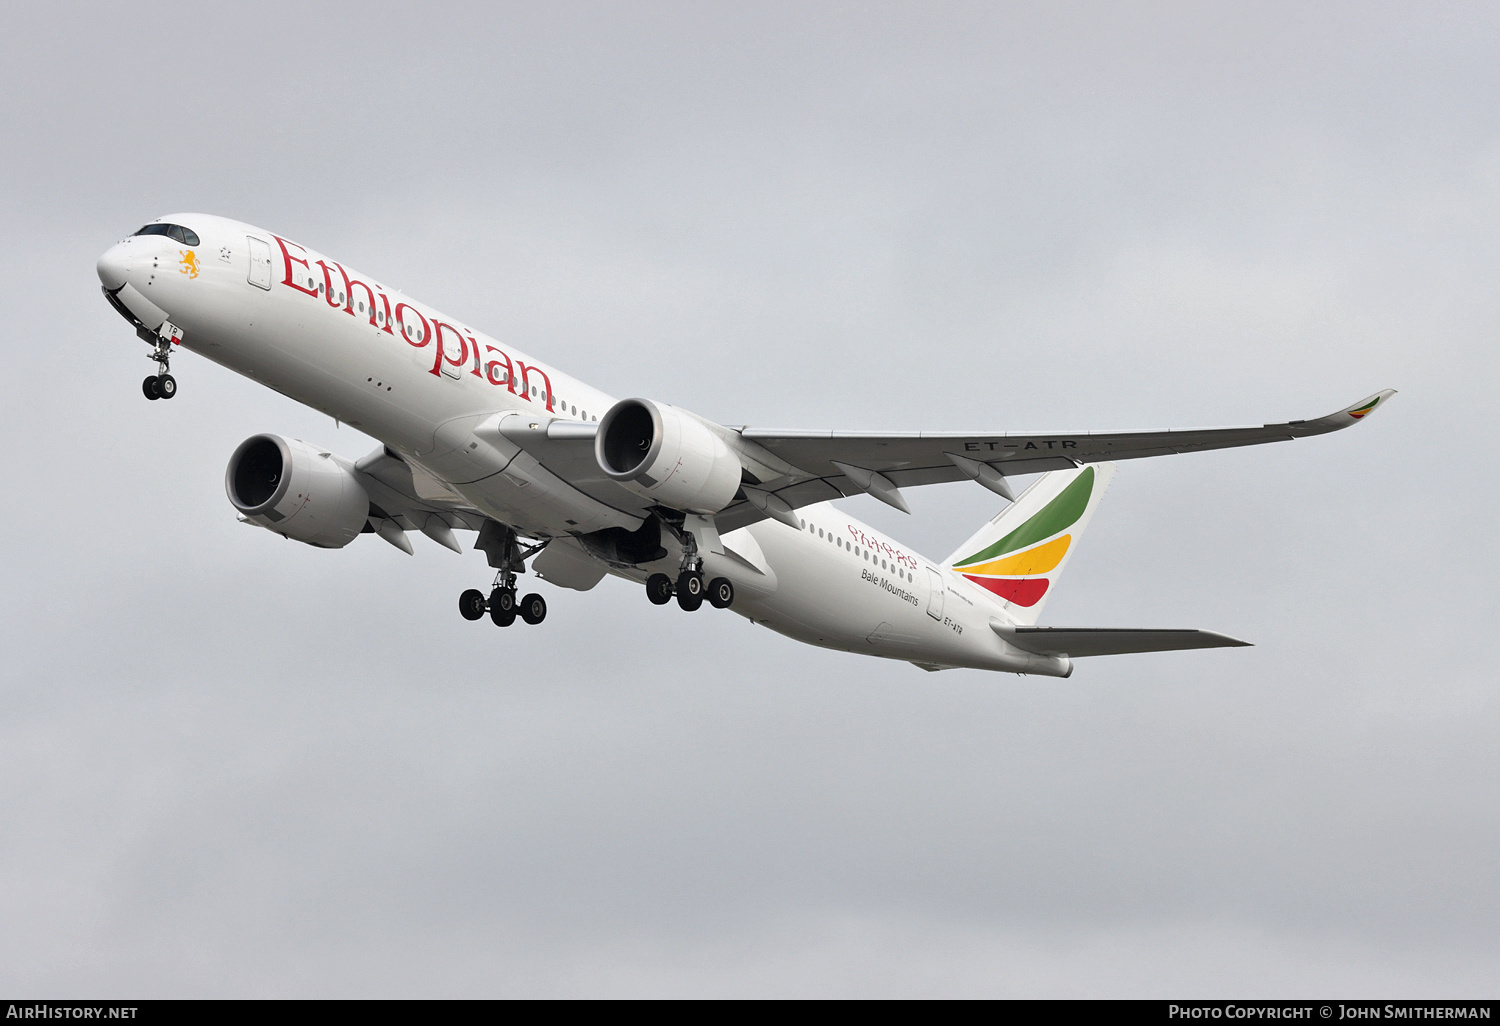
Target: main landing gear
x=690, y=590
x=507, y=555
x=502, y=606
x=689, y=587
x=160, y=385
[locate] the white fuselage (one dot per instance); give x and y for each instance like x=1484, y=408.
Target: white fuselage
x=419, y=381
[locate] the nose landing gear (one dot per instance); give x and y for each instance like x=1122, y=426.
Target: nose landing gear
x=161, y=385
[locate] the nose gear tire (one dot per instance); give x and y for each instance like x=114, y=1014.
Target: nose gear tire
x=148, y=388
x=166, y=386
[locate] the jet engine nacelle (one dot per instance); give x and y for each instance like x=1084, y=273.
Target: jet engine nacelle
x=666, y=455
x=296, y=490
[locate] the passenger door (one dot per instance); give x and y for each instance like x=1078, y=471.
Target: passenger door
x=454, y=353
x=260, y=262
x=936, y=589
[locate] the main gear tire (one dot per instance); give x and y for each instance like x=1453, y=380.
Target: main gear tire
x=720, y=592
x=471, y=604
x=690, y=590
x=659, y=589
x=533, y=609
x=503, y=607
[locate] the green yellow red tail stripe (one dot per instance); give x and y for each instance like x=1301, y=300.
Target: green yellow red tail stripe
x=1014, y=567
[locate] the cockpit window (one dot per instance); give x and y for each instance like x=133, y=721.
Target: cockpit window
x=176, y=232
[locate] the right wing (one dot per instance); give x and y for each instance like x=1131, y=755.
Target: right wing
x=815, y=466
x=785, y=470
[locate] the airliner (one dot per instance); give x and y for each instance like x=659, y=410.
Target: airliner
x=546, y=470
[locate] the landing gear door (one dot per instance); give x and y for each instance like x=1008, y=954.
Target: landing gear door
x=936, y=589
x=260, y=262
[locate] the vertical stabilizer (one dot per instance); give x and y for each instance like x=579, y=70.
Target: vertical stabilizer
x=1020, y=554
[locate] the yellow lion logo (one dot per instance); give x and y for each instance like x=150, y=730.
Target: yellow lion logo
x=189, y=263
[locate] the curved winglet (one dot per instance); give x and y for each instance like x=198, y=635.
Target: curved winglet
x=1345, y=417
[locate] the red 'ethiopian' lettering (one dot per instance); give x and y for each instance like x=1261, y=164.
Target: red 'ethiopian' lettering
x=474, y=348
x=490, y=369
x=442, y=352
x=330, y=296
x=426, y=328
x=350, y=284
x=288, y=260
x=500, y=370
x=526, y=383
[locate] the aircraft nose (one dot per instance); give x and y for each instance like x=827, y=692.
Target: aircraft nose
x=113, y=266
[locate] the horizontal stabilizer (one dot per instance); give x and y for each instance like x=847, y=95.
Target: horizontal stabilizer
x=1077, y=642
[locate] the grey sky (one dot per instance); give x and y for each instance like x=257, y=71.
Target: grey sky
x=234, y=765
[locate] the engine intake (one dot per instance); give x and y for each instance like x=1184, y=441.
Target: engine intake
x=293, y=489
x=667, y=455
